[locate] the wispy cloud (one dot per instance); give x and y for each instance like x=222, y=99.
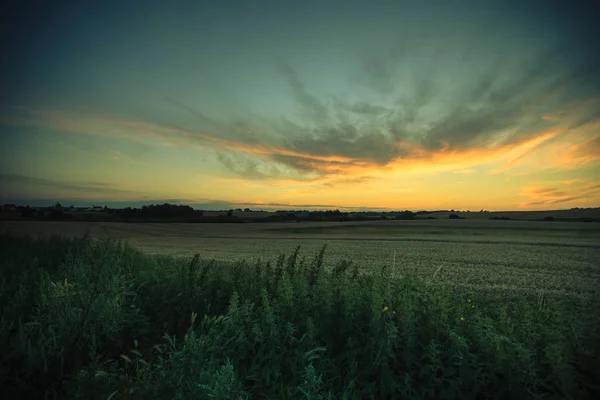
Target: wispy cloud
x=465, y=171
x=101, y=188
x=325, y=155
x=547, y=196
x=314, y=108
x=502, y=118
x=580, y=154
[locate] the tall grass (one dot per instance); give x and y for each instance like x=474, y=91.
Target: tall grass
x=91, y=319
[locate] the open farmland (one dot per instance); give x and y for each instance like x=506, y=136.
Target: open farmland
x=507, y=256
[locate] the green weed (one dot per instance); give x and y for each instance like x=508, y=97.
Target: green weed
x=97, y=319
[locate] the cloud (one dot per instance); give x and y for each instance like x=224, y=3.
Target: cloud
x=548, y=192
x=119, y=156
x=584, y=153
x=345, y=182
x=541, y=195
x=502, y=114
x=190, y=110
x=248, y=167
x=312, y=105
x=362, y=107
x=465, y=171
x=378, y=73
x=19, y=181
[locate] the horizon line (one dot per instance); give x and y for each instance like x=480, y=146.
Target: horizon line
x=265, y=207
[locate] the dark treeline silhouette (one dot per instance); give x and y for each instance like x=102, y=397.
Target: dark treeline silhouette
x=183, y=213
x=159, y=211
x=55, y=212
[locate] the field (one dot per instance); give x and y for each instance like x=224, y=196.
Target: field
x=472, y=308
x=507, y=256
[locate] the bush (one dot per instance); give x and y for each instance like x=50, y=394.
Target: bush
x=82, y=318
x=453, y=216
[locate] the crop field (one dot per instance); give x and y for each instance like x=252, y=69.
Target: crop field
x=507, y=256
x=432, y=309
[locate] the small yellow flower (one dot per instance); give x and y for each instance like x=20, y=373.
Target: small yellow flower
x=394, y=312
x=385, y=308
x=462, y=319
x=472, y=306
x=469, y=300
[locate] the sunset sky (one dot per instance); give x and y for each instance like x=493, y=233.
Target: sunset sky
x=298, y=104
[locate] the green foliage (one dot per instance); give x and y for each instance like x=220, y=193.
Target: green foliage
x=97, y=319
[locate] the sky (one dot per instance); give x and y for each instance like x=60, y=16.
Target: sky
x=301, y=104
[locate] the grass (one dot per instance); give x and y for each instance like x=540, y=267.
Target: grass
x=98, y=319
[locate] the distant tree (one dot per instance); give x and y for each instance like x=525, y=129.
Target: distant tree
x=27, y=212
x=405, y=215
x=453, y=216
x=56, y=212
x=247, y=210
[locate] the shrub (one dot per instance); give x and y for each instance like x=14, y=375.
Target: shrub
x=82, y=318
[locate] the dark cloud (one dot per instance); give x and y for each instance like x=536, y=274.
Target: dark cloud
x=497, y=100
x=427, y=86
x=248, y=168
x=502, y=97
x=566, y=199
x=593, y=188
x=535, y=203
x=306, y=164
x=489, y=106
x=348, y=142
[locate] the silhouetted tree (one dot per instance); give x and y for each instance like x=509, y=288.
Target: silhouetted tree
x=27, y=212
